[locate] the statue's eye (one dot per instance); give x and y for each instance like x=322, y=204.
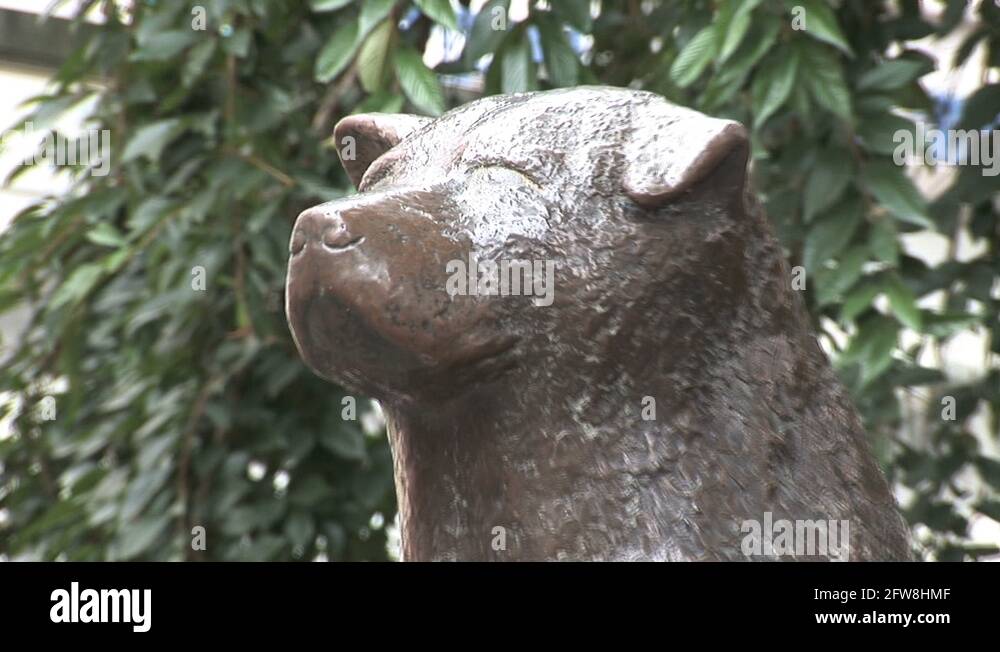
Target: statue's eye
x=501, y=168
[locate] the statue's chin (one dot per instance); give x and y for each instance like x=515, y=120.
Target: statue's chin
x=338, y=345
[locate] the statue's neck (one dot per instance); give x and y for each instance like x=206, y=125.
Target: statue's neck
x=581, y=467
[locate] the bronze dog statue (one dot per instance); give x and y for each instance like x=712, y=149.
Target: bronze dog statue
x=656, y=393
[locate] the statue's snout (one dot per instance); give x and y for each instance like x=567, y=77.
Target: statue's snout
x=321, y=226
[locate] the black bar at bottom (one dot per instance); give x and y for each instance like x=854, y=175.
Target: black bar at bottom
x=252, y=599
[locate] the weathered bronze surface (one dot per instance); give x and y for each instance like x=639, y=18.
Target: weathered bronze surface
x=668, y=283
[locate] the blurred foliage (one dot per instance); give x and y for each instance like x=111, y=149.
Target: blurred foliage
x=179, y=408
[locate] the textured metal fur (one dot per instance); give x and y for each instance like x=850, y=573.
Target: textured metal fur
x=668, y=284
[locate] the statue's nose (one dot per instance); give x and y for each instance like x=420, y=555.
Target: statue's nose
x=320, y=225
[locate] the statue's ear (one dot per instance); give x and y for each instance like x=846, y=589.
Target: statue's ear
x=362, y=138
x=673, y=149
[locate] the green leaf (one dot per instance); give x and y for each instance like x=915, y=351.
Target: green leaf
x=821, y=23
x=896, y=192
x=989, y=468
x=344, y=441
x=981, y=108
x=832, y=283
x=439, y=11
x=801, y=101
x=113, y=261
x=560, y=59
x=79, y=283
x=106, y=235
x=150, y=139
x=373, y=56
x=883, y=239
x=824, y=77
x=139, y=536
x=990, y=508
x=872, y=346
x=695, y=56
x=164, y=45
x=916, y=376
x=723, y=86
x=828, y=179
x=891, y=75
x=830, y=233
x=874, y=103
x=328, y=5
x=238, y=44
x=144, y=486
x=372, y=13
x=337, y=52
x=763, y=34
x=903, y=303
x=488, y=30
x=860, y=298
x=945, y=325
x=382, y=102
x=736, y=29
x=197, y=62
x=418, y=82
x=147, y=213
x=517, y=67
x=773, y=84
x=879, y=132
x=300, y=529
x=575, y=13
